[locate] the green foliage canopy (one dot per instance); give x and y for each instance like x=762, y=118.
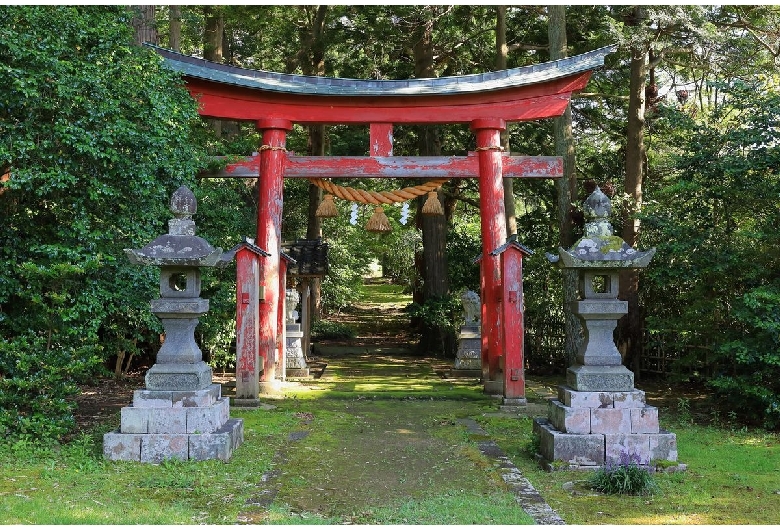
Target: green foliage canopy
x=714, y=219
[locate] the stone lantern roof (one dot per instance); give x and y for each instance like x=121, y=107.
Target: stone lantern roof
x=180, y=246
x=598, y=248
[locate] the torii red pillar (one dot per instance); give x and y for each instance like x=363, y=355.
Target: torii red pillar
x=493, y=230
x=269, y=222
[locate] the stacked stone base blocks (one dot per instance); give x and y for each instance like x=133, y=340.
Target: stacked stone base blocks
x=468, y=359
x=591, y=429
x=165, y=424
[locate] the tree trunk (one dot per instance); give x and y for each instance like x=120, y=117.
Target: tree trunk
x=314, y=224
x=434, y=339
x=502, y=51
x=566, y=186
x=144, y=26
x=212, y=47
x=631, y=324
x=311, y=56
x=174, y=28
x=213, y=32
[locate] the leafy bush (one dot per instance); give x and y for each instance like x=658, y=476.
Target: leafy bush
x=624, y=477
x=443, y=312
x=96, y=135
x=752, y=385
x=36, y=381
x=325, y=330
x=713, y=215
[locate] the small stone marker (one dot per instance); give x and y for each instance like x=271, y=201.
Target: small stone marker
x=180, y=414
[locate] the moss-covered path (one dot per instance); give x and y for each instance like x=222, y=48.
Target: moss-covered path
x=383, y=438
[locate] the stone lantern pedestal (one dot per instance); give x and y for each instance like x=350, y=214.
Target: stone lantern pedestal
x=599, y=415
x=180, y=414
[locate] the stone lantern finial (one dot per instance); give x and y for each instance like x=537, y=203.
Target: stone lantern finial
x=597, y=209
x=183, y=203
x=183, y=206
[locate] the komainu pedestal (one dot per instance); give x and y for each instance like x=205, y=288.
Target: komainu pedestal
x=180, y=414
x=295, y=358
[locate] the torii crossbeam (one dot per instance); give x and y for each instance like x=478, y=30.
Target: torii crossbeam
x=486, y=102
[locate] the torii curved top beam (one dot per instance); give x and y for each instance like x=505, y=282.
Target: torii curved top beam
x=520, y=94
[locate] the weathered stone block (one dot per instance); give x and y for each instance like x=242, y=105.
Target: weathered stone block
x=207, y=419
x=610, y=421
x=644, y=420
x=152, y=398
x=579, y=449
x=600, y=378
x=120, y=446
x=211, y=446
x=663, y=446
x=178, y=376
x=134, y=420
x=235, y=426
x=568, y=419
x=633, y=445
x=156, y=448
x=629, y=400
x=168, y=421
x=224, y=410
x=219, y=444
x=577, y=399
x=197, y=398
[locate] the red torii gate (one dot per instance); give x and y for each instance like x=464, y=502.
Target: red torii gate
x=486, y=102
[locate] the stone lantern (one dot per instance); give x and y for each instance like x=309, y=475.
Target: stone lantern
x=181, y=413
x=599, y=414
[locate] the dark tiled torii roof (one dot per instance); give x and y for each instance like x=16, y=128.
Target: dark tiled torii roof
x=333, y=86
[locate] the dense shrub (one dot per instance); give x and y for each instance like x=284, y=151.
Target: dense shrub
x=96, y=136
x=327, y=330
x=713, y=216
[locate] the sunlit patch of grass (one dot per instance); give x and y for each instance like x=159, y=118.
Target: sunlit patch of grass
x=73, y=484
x=384, y=293
x=454, y=507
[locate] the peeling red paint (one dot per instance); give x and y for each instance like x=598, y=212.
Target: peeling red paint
x=493, y=230
x=269, y=223
x=398, y=167
x=513, y=316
